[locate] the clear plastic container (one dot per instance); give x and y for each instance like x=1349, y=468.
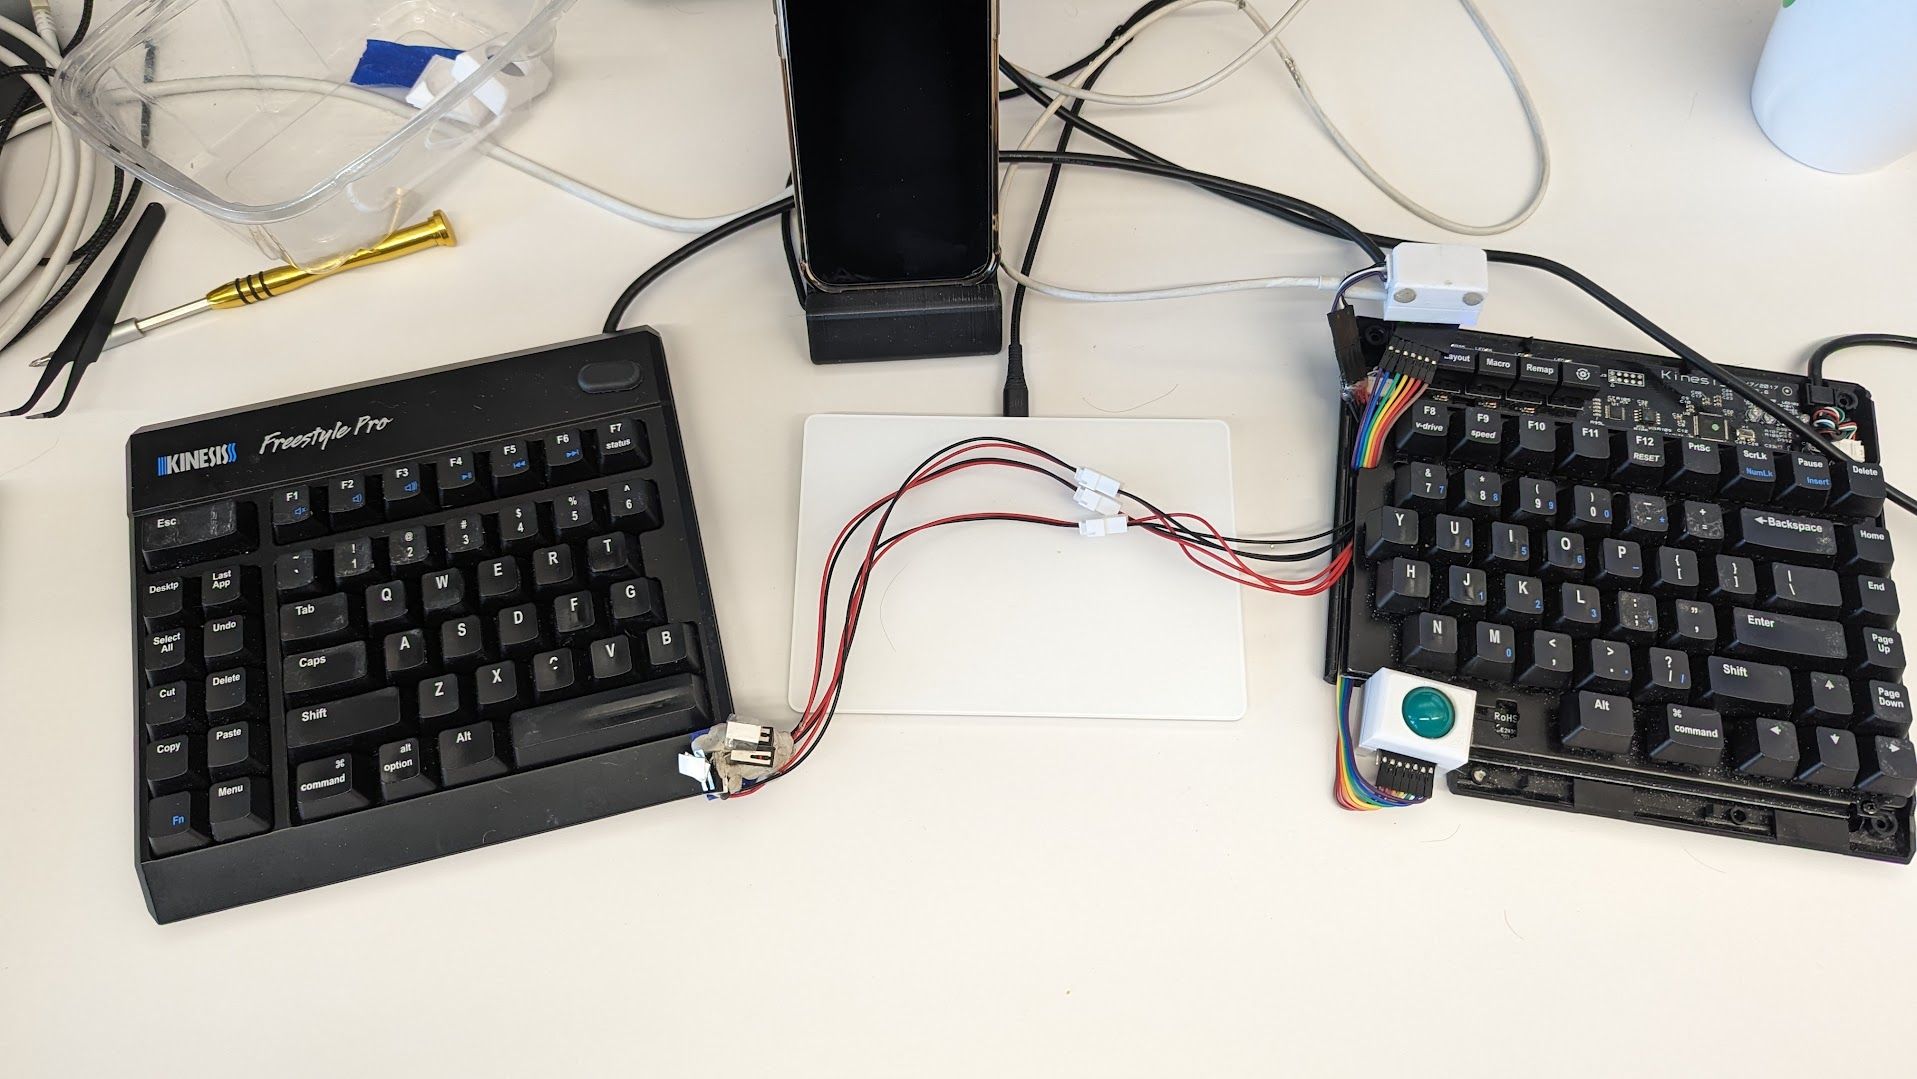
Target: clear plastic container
x=245, y=109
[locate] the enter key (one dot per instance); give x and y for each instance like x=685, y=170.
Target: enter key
x=1763, y=635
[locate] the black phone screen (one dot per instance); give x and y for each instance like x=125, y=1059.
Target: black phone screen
x=892, y=120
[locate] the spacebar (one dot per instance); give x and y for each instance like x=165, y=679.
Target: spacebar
x=609, y=720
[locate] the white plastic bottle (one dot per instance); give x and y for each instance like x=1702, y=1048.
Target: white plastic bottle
x=1837, y=88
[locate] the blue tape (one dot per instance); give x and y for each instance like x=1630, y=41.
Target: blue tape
x=388, y=63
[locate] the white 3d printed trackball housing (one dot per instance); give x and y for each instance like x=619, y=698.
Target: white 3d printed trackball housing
x=1417, y=718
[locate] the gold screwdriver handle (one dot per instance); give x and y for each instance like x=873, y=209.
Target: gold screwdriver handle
x=435, y=231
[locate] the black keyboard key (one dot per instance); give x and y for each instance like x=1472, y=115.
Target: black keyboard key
x=1871, y=601
x=388, y=606
x=1467, y=591
x=1877, y=653
x=1765, y=747
x=1564, y=555
x=1403, y=586
x=612, y=557
x=1891, y=768
x=610, y=660
x=1495, y=372
x=574, y=616
x=1633, y=617
x=409, y=549
x=1806, y=481
x=1804, y=589
x=403, y=492
x=195, y=534
x=1701, y=528
x=1453, y=539
x=1691, y=627
x=348, y=502
x=1535, y=446
x=167, y=710
x=330, y=786
x=1581, y=380
x=1480, y=493
x=297, y=573
x=1493, y=655
x=443, y=594
x=1586, y=451
x=553, y=570
x=1647, y=518
x=464, y=537
x=228, y=590
x=553, y=674
x=456, y=479
x=1785, y=637
x=354, y=562
x=633, y=506
x=229, y=642
x=1551, y=661
x=511, y=466
x=1665, y=675
x=610, y=719
x=296, y=514
x=1765, y=534
x=310, y=622
x=497, y=689
x=1739, y=687
x=519, y=528
x=1736, y=580
x=439, y=702
x=637, y=604
x=500, y=582
x=1640, y=459
x=235, y=749
x=1523, y=602
x=1580, y=610
x=1537, y=502
x=1592, y=510
x=319, y=727
x=620, y=445
x=1697, y=468
x=1424, y=431
x=1858, y=489
x=565, y=454
x=1676, y=572
x=469, y=754
x=1866, y=549
x=174, y=764
x=163, y=603
x=1620, y=564
x=1682, y=734
x=1390, y=532
x=1595, y=722
x=233, y=695
x=1886, y=709
x=402, y=771
x=1480, y=436
x=176, y=822
x=1753, y=475
x=674, y=649
x=1539, y=373
x=1605, y=667
x=240, y=807
x=462, y=643
x=1824, y=700
x=167, y=656
x=341, y=668
x=519, y=631
x=404, y=653
x=1421, y=487
x=1510, y=547
x=1828, y=757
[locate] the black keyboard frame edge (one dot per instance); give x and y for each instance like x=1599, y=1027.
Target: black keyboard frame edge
x=1591, y=787
x=312, y=854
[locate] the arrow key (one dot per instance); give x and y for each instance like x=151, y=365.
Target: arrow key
x=1824, y=699
x=1892, y=769
x=1828, y=758
x=1765, y=747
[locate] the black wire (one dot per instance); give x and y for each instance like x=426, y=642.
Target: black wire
x=1079, y=64
x=80, y=31
x=665, y=265
x=1854, y=340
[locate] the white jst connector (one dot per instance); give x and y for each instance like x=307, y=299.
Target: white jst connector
x=1097, y=492
x=1099, y=527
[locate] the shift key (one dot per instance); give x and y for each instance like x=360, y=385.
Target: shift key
x=329, y=670
x=1780, y=535
x=314, y=726
x=1738, y=687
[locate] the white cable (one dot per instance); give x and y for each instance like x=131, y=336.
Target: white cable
x=1269, y=36
x=61, y=210
x=546, y=174
x=1172, y=292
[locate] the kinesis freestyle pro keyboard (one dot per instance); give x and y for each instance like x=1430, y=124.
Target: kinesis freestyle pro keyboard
x=1670, y=610
x=413, y=617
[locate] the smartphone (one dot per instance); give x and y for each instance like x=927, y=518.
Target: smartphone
x=894, y=117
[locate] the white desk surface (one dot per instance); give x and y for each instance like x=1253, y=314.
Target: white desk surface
x=1186, y=898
